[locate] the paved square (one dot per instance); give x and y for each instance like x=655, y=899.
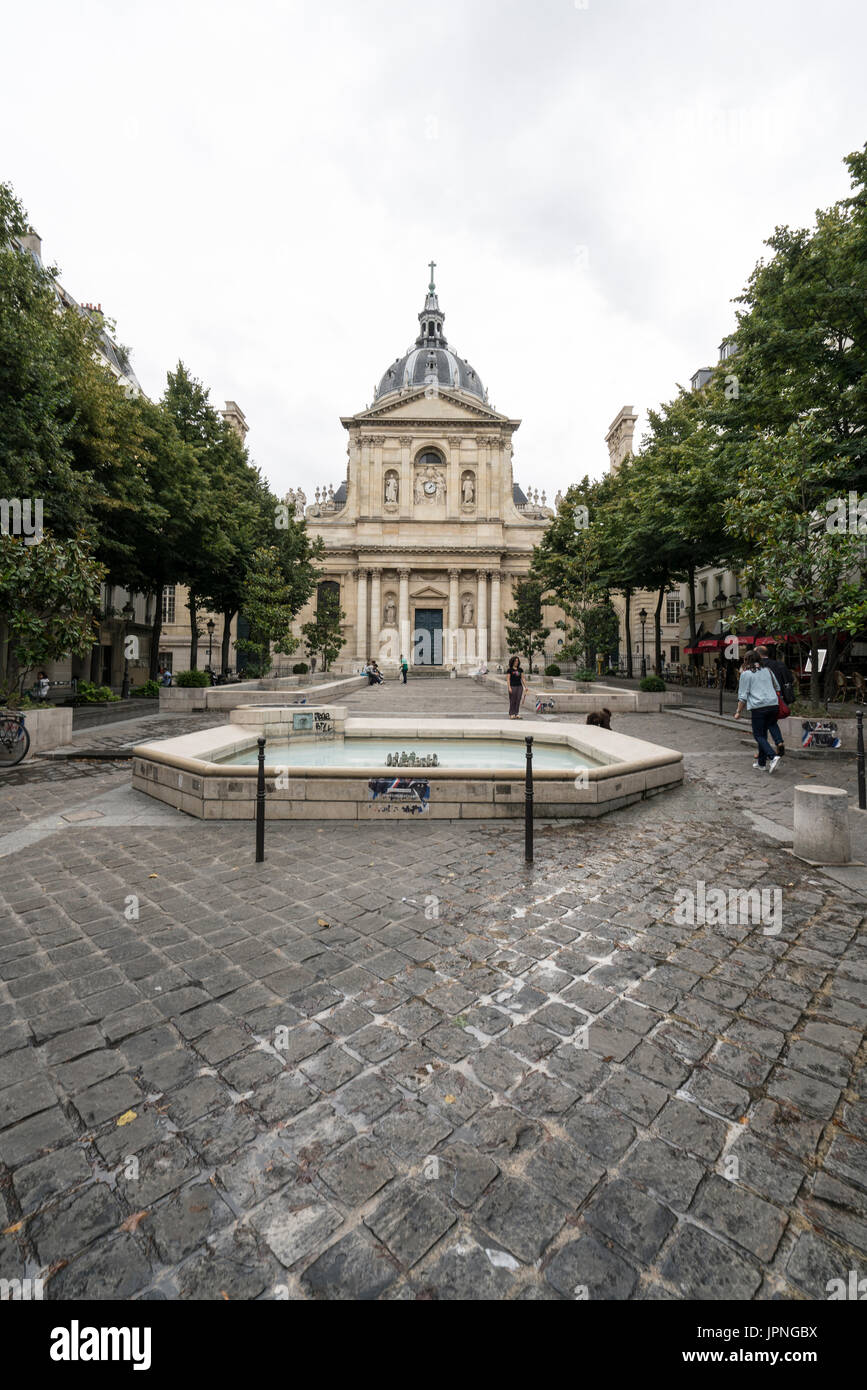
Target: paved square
x=393, y=1062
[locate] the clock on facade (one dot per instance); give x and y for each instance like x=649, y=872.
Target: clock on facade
x=430, y=488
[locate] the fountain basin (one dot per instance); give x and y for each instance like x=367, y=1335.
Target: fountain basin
x=321, y=771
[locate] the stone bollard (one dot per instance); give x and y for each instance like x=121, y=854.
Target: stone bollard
x=822, y=825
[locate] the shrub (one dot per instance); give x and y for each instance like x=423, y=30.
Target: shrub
x=191, y=678
x=90, y=694
x=651, y=683
x=300, y=668
x=584, y=675
x=149, y=691
x=552, y=670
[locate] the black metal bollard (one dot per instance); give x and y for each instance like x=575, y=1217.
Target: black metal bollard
x=260, y=803
x=528, y=802
x=862, y=790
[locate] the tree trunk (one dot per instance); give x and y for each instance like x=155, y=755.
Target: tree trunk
x=156, y=630
x=228, y=615
x=693, y=660
x=832, y=661
x=192, y=606
x=657, y=632
x=627, y=594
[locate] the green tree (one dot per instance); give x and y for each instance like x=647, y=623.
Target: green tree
x=48, y=592
x=218, y=450
x=805, y=571
x=525, y=629
x=270, y=602
x=801, y=341
x=324, y=635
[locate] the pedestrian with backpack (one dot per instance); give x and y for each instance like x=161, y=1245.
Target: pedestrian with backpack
x=786, y=682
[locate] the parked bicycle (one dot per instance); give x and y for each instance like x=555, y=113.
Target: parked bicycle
x=14, y=738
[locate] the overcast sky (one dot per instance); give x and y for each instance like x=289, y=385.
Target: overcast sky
x=257, y=188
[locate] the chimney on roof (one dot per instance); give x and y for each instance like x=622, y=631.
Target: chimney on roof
x=234, y=416
x=32, y=242
x=619, y=436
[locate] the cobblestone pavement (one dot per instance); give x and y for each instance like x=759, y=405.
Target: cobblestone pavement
x=392, y=1062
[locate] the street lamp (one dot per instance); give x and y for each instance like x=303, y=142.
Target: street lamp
x=642, y=618
x=210, y=626
x=128, y=613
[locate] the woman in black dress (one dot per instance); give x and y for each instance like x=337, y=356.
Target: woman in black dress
x=517, y=686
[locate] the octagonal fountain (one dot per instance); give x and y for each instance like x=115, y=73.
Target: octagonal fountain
x=322, y=766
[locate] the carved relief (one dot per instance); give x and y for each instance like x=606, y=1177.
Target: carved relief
x=430, y=484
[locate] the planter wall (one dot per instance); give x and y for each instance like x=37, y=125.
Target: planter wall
x=48, y=728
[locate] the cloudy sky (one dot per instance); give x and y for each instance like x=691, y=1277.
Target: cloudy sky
x=257, y=188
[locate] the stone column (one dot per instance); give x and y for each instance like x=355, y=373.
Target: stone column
x=453, y=474
x=361, y=615
x=375, y=612
x=363, y=477
x=403, y=616
x=496, y=619
x=483, y=501
x=405, y=477
x=454, y=620
x=482, y=615
x=375, y=468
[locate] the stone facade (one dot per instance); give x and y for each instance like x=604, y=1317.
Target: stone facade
x=428, y=535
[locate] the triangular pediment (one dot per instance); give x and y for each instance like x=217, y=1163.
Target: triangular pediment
x=430, y=591
x=418, y=405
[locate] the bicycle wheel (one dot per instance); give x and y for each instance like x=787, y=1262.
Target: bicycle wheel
x=14, y=742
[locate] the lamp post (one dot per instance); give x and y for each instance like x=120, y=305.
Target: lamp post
x=642, y=618
x=210, y=626
x=128, y=612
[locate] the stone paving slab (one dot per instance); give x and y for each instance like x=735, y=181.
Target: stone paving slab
x=393, y=1062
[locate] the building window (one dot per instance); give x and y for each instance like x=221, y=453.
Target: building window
x=675, y=654
x=703, y=590
x=165, y=660
x=672, y=608
x=169, y=603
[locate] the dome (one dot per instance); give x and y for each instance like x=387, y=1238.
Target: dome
x=430, y=359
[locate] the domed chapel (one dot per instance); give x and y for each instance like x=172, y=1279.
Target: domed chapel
x=428, y=534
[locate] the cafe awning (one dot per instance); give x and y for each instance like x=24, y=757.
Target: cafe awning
x=690, y=651
x=709, y=644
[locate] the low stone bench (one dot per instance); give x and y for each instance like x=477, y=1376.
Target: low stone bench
x=822, y=825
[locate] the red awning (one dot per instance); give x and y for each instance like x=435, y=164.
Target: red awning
x=709, y=643
x=739, y=637
x=690, y=651
x=776, y=641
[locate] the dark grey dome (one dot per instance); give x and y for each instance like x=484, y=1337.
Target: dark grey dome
x=430, y=359
x=420, y=366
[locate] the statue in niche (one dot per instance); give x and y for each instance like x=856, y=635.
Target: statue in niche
x=467, y=611
x=390, y=614
x=392, y=487
x=468, y=489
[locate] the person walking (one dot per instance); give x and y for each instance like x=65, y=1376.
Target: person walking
x=757, y=692
x=517, y=687
x=404, y=668
x=786, y=682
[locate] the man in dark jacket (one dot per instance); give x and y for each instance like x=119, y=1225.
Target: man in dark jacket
x=786, y=682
